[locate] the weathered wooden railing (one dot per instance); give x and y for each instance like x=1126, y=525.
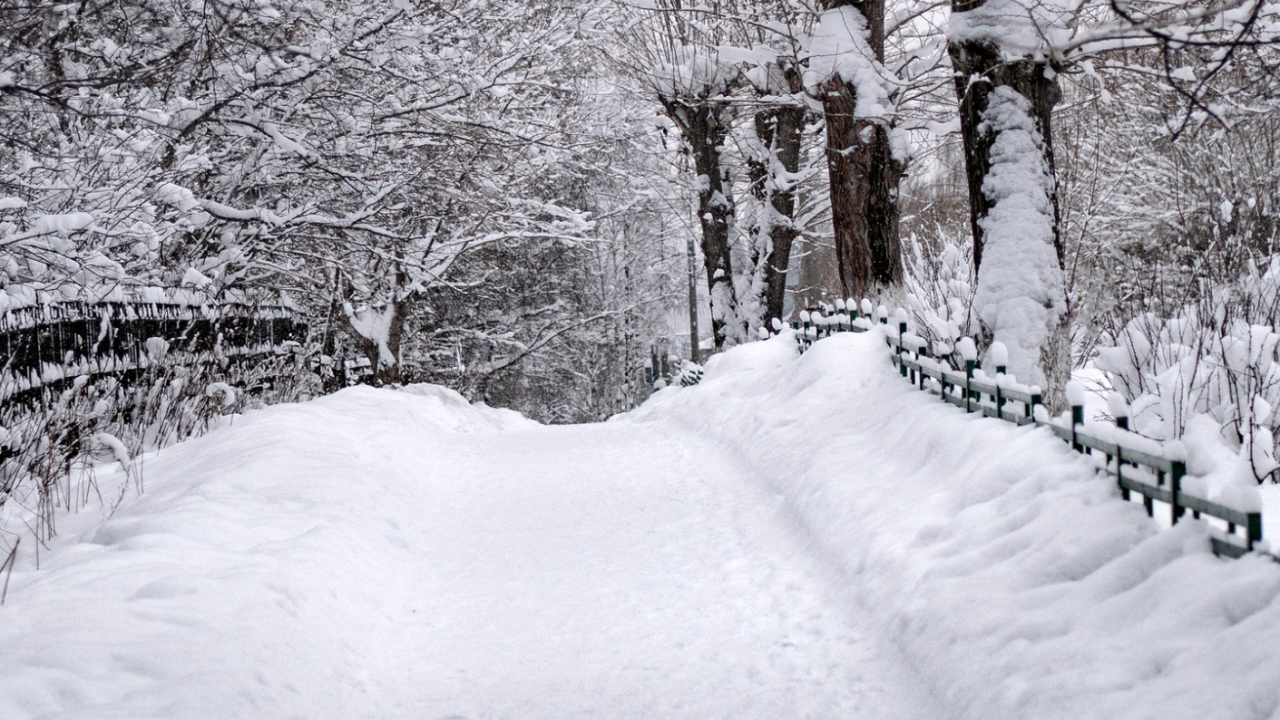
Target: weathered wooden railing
x=1139, y=465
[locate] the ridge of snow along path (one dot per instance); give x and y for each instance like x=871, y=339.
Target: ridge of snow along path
x=795, y=537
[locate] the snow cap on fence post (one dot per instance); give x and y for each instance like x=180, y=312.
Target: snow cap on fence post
x=900, y=317
x=866, y=307
x=777, y=325
x=882, y=312
x=999, y=355
x=1076, y=394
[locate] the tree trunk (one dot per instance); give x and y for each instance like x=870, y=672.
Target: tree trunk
x=704, y=126
x=864, y=177
x=780, y=131
x=979, y=70
x=1027, y=77
x=385, y=361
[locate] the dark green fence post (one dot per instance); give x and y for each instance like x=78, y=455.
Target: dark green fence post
x=1124, y=491
x=969, y=365
x=1255, y=529
x=1176, y=471
x=1077, y=418
x=902, y=365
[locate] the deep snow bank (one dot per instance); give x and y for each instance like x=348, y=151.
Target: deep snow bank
x=1013, y=576
x=264, y=573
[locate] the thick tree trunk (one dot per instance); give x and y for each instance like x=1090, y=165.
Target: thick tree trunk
x=780, y=131
x=705, y=127
x=982, y=60
x=864, y=177
x=979, y=70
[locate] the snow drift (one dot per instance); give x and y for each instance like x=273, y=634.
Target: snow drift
x=1014, y=578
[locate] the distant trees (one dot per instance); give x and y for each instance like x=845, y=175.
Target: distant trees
x=426, y=179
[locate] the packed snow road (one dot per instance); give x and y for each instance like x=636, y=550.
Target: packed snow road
x=396, y=555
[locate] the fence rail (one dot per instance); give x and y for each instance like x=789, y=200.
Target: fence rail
x=1138, y=467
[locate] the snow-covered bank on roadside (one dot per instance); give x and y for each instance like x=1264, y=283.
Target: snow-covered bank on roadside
x=1012, y=575
x=264, y=573
x=784, y=540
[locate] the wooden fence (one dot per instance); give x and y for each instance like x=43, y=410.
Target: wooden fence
x=46, y=344
x=1139, y=465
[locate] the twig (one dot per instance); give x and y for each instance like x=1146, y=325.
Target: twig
x=9, y=564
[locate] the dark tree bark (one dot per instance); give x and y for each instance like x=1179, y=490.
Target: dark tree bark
x=780, y=131
x=864, y=177
x=705, y=125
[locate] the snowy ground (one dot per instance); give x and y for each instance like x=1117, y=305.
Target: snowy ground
x=381, y=554
x=793, y=538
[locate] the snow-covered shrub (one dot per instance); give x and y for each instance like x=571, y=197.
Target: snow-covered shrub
x=690, y=373
x=1214, y=358
x=940, y=297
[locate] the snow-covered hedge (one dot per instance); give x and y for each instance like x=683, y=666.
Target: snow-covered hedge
x=1213, y=361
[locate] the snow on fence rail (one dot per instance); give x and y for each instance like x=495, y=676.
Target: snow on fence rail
x=1139, y=464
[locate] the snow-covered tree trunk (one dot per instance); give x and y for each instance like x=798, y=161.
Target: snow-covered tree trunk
x=863, y=172
x=378, y=330
x=780, y=133
x=1006, y=103
x=704, y=124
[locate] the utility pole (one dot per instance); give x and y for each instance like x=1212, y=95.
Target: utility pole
x=693, y=301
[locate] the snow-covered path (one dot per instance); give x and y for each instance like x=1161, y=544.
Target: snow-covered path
x=387, y=555
x=615, y=571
